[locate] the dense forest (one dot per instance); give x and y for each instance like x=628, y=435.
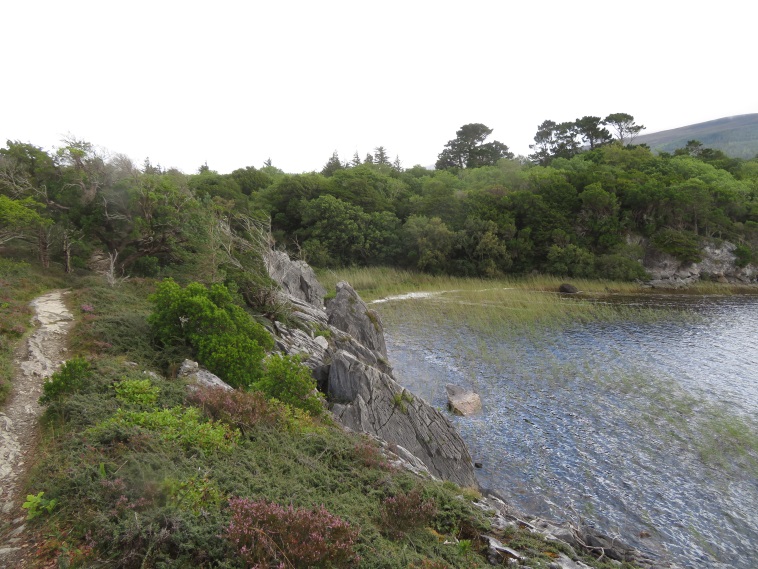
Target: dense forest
x=586, y=203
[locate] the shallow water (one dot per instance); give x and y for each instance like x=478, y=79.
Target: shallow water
x=643, y=430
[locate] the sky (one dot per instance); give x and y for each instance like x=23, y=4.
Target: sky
x=232, y=84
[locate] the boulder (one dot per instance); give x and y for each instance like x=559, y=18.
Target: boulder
x=461, y=401
x=295, y=277
x=192, y=371
x=568, y=288
x=348, y=313
x=367, y=400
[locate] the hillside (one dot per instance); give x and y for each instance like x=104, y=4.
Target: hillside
x=735, y=136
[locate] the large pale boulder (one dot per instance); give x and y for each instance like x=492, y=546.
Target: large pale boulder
x=348, y=313
x=461, y=401
x=367, y=400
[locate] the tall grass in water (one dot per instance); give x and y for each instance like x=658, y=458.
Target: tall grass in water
x=373, y=283
x=493, y=306
x=512, y=311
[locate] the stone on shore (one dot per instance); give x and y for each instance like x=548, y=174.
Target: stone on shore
x=461, y=401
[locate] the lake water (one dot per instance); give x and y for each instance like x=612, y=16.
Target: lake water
x=643, y=430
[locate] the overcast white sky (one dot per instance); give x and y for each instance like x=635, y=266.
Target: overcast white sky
x=234, y=83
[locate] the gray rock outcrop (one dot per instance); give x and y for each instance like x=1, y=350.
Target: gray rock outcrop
x=348, y=313
x=371, y=401
x=461, y=401
x=344, y=347
x=718, y=264
x=578, y=538
x=295, y=277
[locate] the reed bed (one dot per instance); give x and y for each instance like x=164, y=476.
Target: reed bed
x=374, y=283
x=509, y=311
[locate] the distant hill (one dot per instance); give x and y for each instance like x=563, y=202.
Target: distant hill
x=736, y=136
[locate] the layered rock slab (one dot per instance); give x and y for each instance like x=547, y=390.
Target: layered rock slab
x=371, y=401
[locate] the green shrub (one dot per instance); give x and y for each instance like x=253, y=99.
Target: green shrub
x=570, y=261
x=289, y=381
x=620, y=268
x=224, y=337
x=195, y=494
x=65, y=381
x=36, y=505
x=182, y=426
x=137, y=392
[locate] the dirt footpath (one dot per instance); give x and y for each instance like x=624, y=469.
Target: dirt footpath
x=45, y=352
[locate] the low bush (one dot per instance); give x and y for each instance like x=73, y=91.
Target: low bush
x=181, y=425
x=407, y=511
x=289, y=381
x=264, y=533
x=137, y=392
x=241, y=409
x=67, y=380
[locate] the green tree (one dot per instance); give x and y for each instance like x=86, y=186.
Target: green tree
x=592, y=131
x=624, y=126
x=332, y=165
x=544, y=143
x=251, y=180
x=429, y=243
x=468, y=149
x=19, y=219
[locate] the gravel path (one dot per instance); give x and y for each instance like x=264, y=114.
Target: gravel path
x=45, y=351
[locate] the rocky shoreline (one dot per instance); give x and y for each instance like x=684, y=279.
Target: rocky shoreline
x=346, y=351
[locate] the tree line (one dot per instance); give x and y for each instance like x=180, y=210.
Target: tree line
x=585, y=203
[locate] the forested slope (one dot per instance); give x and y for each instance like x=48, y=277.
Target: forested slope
x=566, y=211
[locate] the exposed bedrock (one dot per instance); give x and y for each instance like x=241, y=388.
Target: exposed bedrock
x=344, y=346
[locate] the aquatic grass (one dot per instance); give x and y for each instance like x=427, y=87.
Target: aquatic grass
x=509, y=312
x=728, y=441
x=374, y=283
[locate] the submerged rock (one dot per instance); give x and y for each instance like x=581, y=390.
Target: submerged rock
x=461, y=401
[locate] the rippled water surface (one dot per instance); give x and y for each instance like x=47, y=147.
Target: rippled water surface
x=645, y=430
